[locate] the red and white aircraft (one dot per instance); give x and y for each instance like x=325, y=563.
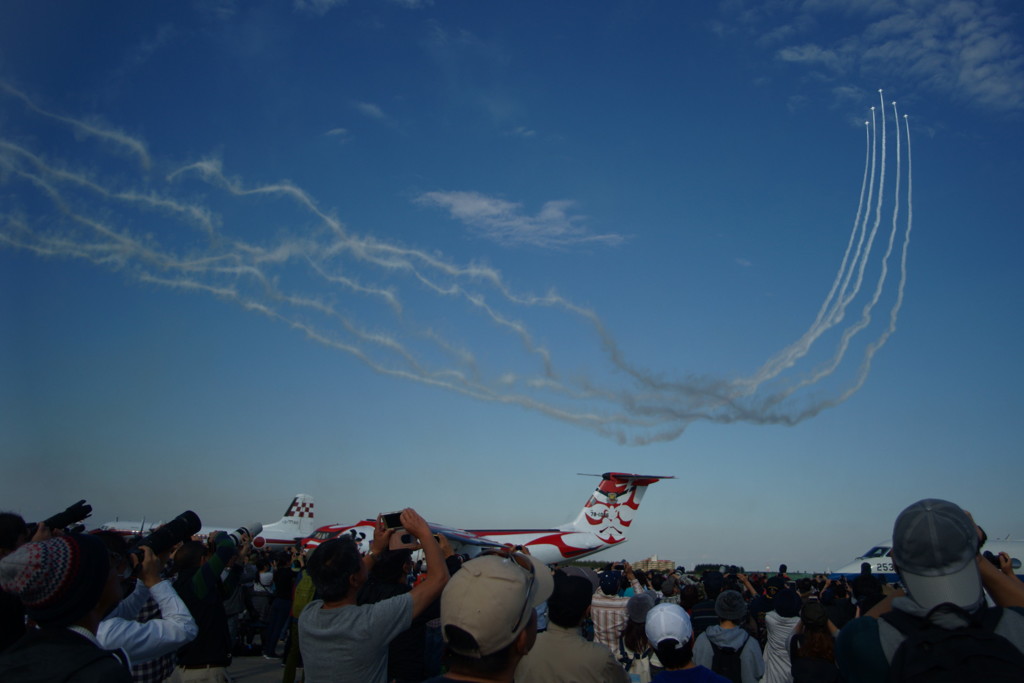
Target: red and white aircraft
x=296, y=525
x=602, y=523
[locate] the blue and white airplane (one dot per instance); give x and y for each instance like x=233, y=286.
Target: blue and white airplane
x=880, y=559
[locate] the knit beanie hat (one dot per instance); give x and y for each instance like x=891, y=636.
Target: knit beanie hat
x=58, y=580
x=730, y=605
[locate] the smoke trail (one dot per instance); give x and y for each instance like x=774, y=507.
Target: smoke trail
x=115, y=137
x=194, y=229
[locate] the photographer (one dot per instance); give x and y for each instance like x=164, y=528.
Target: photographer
x=199, y=585
x=66, y=584
x=143, y=641
x=14, y=533
x=341, y=640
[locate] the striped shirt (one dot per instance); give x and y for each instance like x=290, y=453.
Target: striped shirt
x=609, y=615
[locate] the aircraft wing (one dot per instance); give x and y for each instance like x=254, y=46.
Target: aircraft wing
x=462, y=536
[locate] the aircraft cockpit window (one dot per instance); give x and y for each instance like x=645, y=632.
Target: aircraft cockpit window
x=878, y=551
x=324, y=535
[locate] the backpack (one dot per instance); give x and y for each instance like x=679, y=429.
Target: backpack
x=726, y=660
x=972, y=652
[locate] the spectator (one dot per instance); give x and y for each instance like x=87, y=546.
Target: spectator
x=237, y=602
x=561, y=653
x=280, y=606
x=488, y=616
x=635, y=652
x=703, y=613
x=388, y=578
x=935, y=552
x=836, y=599
x=263, y=591
x=812, y=647
x=670, y=632
x=780, y=623
x=728, y=633
x=199, y=584
x=338, y=637
x=66, y=585
x=670, y=590
x=305, y=592
x=866, y=589
x=689, y=596
x=13, y=535
x=120, y=629
x=608, y=610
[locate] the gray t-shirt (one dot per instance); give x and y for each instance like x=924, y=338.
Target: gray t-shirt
x=350, y=643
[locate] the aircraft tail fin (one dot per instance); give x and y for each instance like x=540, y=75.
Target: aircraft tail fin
x=298, y=518
x=610, y=510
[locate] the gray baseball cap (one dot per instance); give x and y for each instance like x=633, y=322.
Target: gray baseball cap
x=935, y=546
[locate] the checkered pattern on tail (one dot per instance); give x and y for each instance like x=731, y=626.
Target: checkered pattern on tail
x=300, y=508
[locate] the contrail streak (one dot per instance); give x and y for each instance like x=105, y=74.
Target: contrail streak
x=112, y=136
x=403, y=311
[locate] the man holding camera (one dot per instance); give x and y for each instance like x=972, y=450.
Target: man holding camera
x=342, y=640
x=143, y=642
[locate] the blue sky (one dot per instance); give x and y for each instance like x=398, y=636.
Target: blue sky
x=450, y=254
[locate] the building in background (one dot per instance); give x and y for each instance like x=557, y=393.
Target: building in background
x=654, y=563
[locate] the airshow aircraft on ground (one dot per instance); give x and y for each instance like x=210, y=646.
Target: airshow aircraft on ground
x=880, y=559
x=602, y=523
x=296, y=525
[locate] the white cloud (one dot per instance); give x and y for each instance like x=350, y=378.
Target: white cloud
x=370, y=110
x=522, y=132
x=339, y=134
x=504, y=222
x=811, y=54
x=322, y=7
x=967, y=50
x=318, y=7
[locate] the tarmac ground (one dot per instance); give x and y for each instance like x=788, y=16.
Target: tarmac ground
x=258, y=670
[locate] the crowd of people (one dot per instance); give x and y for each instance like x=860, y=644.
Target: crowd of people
x=95, y=606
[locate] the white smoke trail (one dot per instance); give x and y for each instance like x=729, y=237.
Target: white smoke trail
x=363, y=296
x=116, y=137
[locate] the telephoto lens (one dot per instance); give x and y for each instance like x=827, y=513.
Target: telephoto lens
x=179, y=529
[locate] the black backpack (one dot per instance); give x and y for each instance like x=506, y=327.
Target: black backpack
x=726, y=660
x=972, y=652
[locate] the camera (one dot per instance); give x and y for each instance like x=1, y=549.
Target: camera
x=404, y=540
x=73, y=513
x=253, y=530
x=392, y=520
x=179, y=529
x=991, y=557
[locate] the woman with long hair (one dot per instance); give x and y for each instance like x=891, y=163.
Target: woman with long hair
x=812, y=649
x=634, y=651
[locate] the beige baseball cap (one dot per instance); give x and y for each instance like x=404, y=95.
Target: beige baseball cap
x=491, y=597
